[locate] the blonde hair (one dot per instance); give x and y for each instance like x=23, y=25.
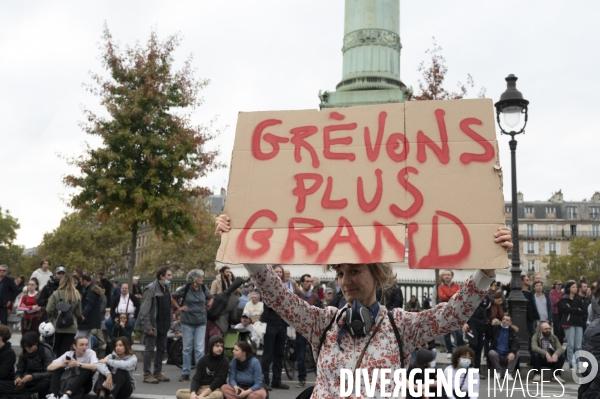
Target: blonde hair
x=68, y=286
x=382, y=272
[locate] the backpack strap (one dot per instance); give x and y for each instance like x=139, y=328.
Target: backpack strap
x=185, y=291
x=397, y=334
x=324, y=335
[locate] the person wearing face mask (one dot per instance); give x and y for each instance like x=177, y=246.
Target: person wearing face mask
x=424, y=360
x=547, y=353
x=154, y=321
x=462, y=359
x=504, y=347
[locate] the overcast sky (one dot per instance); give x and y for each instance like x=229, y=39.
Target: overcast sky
x=271, y=55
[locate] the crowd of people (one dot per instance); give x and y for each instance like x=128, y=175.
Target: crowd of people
x=62, y=315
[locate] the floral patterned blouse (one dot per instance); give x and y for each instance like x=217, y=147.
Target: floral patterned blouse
x=383, y=351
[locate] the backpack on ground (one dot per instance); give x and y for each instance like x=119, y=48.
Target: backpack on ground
x=65, y=316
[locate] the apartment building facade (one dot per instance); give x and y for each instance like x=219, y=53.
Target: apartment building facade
x=547, y=227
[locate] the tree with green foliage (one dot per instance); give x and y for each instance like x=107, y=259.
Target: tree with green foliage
x=80, y=241
x=151, y=153
x=189, y=251
x=583, y=259
x=10, y=254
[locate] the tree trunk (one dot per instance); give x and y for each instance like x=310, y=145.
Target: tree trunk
x=132, y=255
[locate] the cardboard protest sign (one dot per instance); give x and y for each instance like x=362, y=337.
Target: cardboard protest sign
x=360, y=184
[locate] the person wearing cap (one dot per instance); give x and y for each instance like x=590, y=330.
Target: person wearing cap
x=555, y=295
x=380, y=347
x=246, y=322
x=425, y=359
x=42, y=274
x=52, y=286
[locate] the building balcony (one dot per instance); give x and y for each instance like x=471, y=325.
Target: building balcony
x=558, y=234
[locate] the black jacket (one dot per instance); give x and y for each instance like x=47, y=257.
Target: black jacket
x=90, y=308
x=35, y=363
x=9, y=291
x=571, y=311
x=393, y=297
x=532, y=313
x=47, y=292
x=115, y=303
x=591, y=343
x=7, y=362
x=212, y=370
x=513, y=339
x=270, y=317
x=108, y=288
x=481, y=316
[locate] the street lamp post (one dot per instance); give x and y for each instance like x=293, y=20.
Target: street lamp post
x=511, y=106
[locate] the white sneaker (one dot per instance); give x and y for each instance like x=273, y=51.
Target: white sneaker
x=65, y=396
x=449, y=356
x=536, y=378
x=559, y=379
x=508, y=378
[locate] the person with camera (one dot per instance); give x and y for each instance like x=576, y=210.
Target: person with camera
x=32, y=376
x=73, y=371
x=115, y=372
x=64, y=308
x=51, y=286
x=245, y=374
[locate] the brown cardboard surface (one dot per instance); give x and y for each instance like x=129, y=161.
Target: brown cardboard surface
x=435, y=169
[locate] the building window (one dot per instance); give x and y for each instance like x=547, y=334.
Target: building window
x=532, y=266
x=530, y=230
x=594, y=212
x=572, y=212
x=573, y=230
x=530, y=248
x=508, y=209
x=551, y=230
x=550, y=209
x=551, y=248
x=528, y=209
x=595, y=231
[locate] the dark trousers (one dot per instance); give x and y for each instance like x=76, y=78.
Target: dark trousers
x=558, y=330
x=79, y=386
x=160, y=343
x=40, y=386
x=476, y=343
x=301, y=343
x=121, y=382
x=274, y=340
x=62, y=342
x=458, y=339
x=3, y=315
x=539, y=362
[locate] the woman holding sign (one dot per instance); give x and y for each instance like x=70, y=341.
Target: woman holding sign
x=364, y=334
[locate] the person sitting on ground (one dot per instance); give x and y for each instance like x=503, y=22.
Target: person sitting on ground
x=547, y=353
x=115, y=372
x=31, y=377
x=413, y=305
x=504, y=347
x=245, y=375
x=462, y=360
x=423, y=361
x=211, y=373
x=121, y=329
x=7, y=356
x=80, y=364
x=247, y=324
x=254, y=307
x=428, y=345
